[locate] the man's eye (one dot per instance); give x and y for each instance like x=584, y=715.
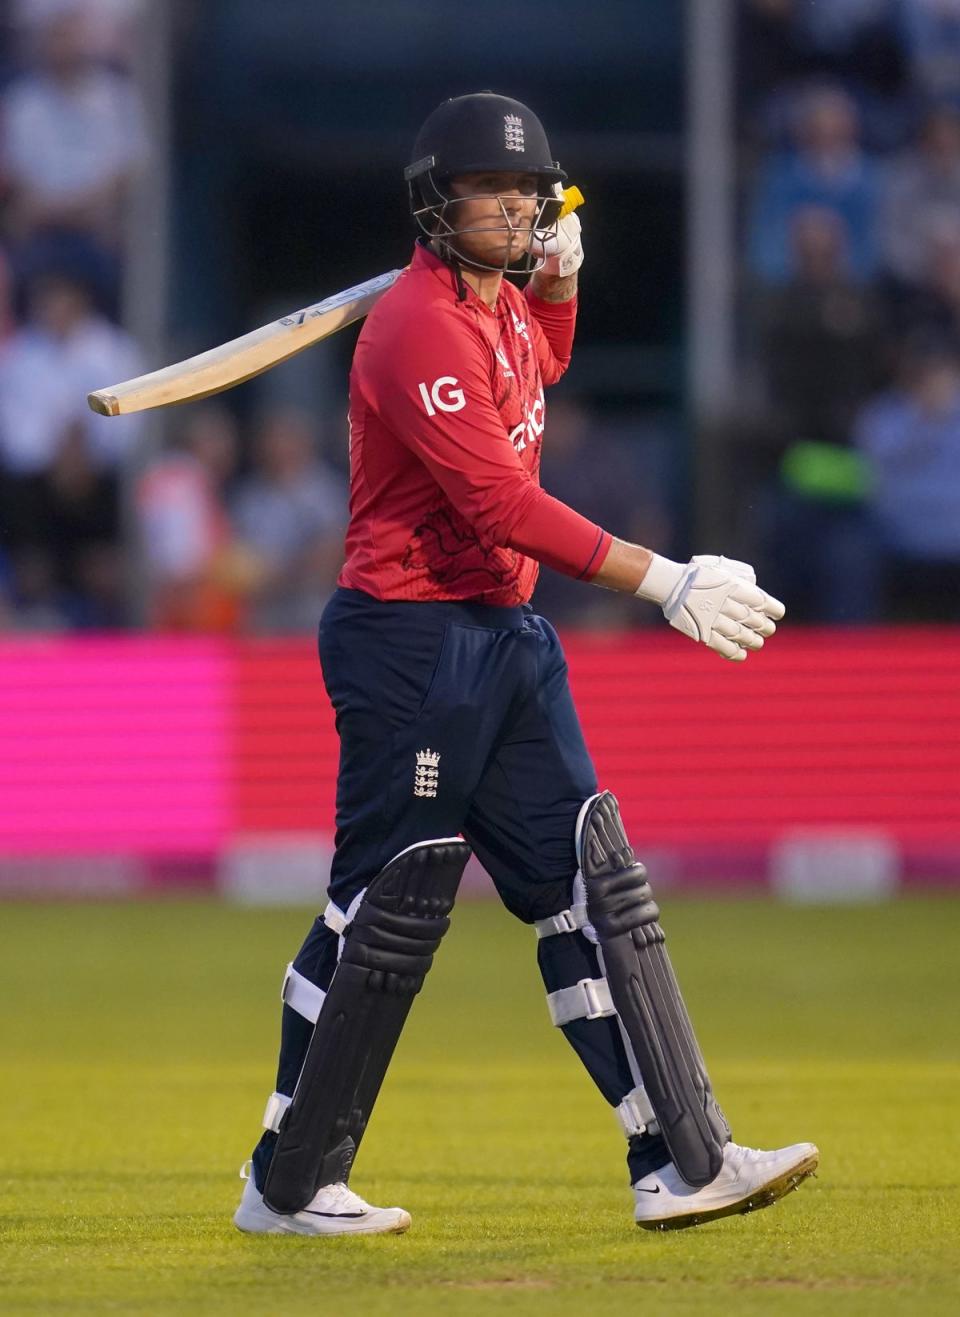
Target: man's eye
x=529, y=186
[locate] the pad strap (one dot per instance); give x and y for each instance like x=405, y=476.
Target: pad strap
x=334, y=918
x=635, y=1113
x=277, y=1104
x=587, y=1000
x=567, y=921
x=301, y=995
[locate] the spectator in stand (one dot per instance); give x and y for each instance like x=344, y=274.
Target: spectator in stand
x=196, y=573
x=821, y=341
x=826, y=168
x=290, y=512
x=921, y=192
x=859, y=43
x=71, y=137
x=768, y=57
x=35, y=598
x=931, y=33
x=855, y=42
x=840, y=24
x=911, y=438
x=111, y=24
x=932, y=306
x=80, y=528
x=58, y=461
x=822, y=351
x=48, y=366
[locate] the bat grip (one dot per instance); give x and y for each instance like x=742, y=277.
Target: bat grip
x=572, y=198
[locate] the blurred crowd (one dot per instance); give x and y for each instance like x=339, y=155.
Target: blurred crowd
x=229, y=527
x=72, y=139
x=846, y=432
x=839, y=463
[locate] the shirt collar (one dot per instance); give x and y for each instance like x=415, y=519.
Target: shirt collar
x=425, y=259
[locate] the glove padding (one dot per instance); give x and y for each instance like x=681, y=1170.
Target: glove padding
x=561, y=252
x=715, y=600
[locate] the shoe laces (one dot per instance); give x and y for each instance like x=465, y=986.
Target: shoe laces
x=341, y=1195
x=741, y=1156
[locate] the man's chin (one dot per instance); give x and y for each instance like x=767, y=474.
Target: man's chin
x=499, y=255
x=495, y=253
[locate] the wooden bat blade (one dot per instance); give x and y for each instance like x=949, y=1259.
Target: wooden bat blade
x=242, y=358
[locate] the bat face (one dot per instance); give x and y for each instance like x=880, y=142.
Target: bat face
x=242, y=358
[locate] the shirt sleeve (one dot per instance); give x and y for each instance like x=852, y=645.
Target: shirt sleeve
x=553, y=325
x=433, y=389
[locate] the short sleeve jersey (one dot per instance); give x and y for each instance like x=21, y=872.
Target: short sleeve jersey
x=446, y=421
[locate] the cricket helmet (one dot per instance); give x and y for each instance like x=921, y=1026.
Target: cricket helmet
x=481, y=132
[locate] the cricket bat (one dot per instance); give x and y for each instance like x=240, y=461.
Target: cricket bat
x=242, y=358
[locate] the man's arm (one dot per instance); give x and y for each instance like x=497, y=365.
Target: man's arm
x=711, y=599
x=551, y=295
x=624, y=567
x=561, y=256
x=554, y=287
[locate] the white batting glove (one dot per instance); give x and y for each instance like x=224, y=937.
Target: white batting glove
x=715, y=600
x=561, y=252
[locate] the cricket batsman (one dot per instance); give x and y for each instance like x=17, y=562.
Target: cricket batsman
x=457, y=728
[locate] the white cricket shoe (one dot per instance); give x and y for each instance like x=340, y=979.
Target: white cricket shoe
x=333, y=1210
x=748, y=1179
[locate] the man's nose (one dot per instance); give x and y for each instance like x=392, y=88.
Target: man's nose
x=514, y=201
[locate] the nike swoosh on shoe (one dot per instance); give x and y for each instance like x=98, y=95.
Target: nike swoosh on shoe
x=337, y=1216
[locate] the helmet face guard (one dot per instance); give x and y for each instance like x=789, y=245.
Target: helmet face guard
x=434, y=208
x=489, y=134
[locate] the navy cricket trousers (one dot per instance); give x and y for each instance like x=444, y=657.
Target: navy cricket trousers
x=457, y=718
x=454, y=717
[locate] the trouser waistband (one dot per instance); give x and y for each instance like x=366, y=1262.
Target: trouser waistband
x=497, y=617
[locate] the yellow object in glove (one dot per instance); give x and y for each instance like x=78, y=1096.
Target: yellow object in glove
x=572, y=198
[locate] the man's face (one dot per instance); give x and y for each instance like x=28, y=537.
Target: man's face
x=499, y=210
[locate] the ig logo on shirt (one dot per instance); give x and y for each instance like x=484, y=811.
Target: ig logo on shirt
x=450, y=400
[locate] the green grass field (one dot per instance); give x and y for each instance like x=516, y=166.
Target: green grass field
x=137, y=1044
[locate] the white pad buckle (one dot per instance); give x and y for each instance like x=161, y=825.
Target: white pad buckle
x=339, y=921
x=277, y=1104
x=589, y=999
x=567, y=921
x=303, y=996
x=334, y=918
x=635, y=1113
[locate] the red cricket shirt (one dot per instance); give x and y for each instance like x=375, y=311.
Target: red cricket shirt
x=446, y=422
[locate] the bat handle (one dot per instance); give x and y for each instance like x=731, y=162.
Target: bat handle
x=572, y=198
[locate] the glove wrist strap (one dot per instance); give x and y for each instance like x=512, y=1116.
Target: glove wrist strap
x=662, y=579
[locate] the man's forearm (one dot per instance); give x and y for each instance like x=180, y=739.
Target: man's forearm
x=554, y=287
x=624, y=567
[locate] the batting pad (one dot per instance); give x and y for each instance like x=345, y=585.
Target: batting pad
x=646, y=995
x=387, y=951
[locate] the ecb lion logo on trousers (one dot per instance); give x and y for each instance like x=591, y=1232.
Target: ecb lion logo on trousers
x=427, y=775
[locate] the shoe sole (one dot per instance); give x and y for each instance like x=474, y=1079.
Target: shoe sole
x=765, y=1196
x=259, y=1227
